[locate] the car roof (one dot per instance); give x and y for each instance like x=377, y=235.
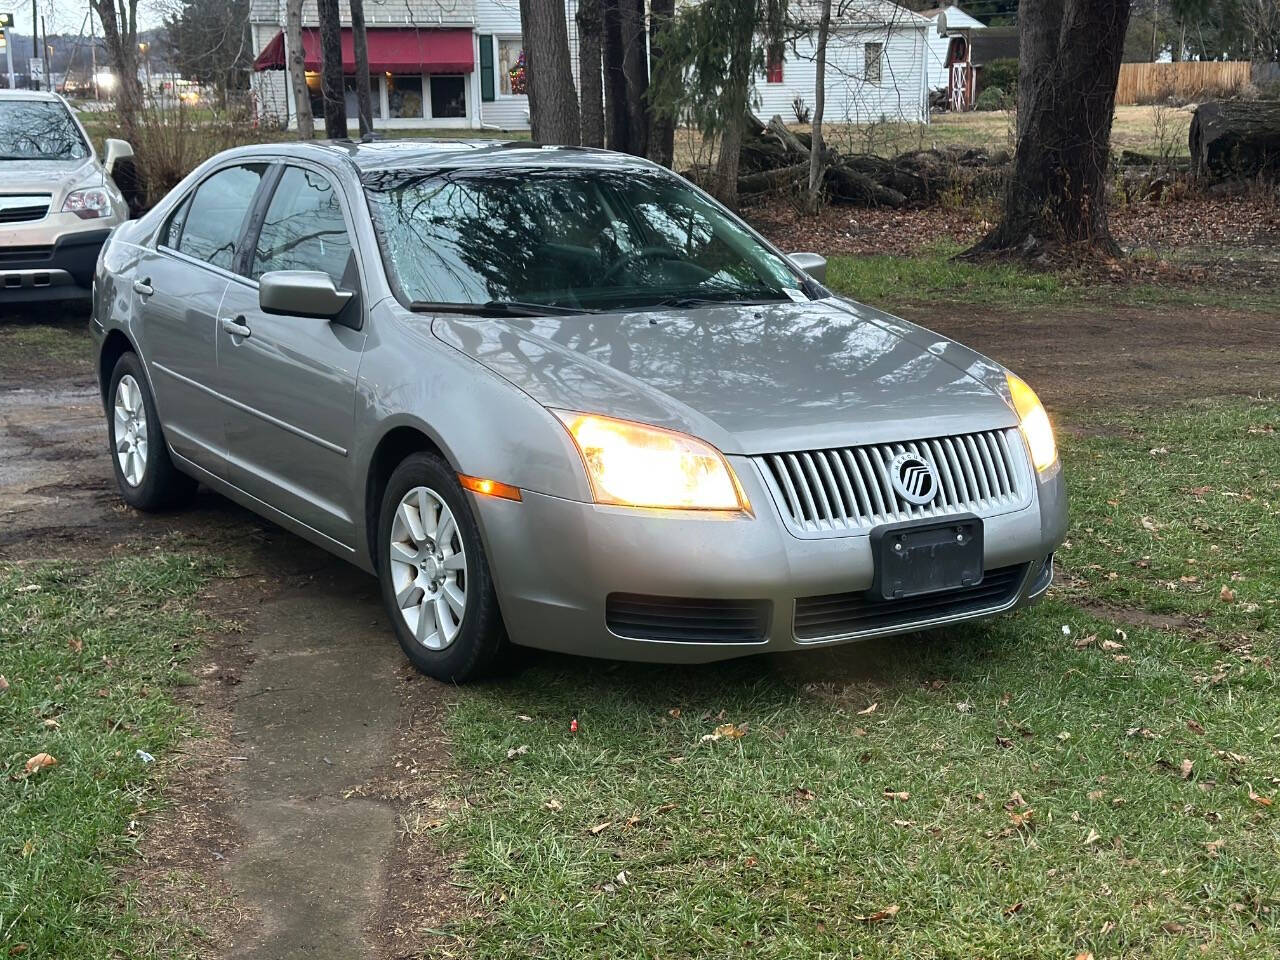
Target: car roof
x=374, y=156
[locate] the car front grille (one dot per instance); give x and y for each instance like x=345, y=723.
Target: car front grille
x=23, y=209
x=687, y=620
x=833, y=492
x=847, y=614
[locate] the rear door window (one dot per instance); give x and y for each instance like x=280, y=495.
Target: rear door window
x=214, y=220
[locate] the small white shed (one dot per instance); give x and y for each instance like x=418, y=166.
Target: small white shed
x=948, y=23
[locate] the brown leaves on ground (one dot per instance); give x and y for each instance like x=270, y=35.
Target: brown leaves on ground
x=1257, y=797
x=888, y=913
x=890, y=794
x=40, y=761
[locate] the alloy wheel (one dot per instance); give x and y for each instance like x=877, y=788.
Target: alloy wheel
x=428, y=568
x=130, y=419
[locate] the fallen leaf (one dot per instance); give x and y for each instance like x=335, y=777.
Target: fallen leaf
x=731, y=731
x=1021, y=818
x=888, y=913
x=871, y=709
x=1172, y=927
x=52, y=723
x=964, y=707
x=1015, y=800
x=1095, y=794
x=519, y=751
x=1084, y=955
x=1184, y=768
x=1214, y=846
x=1086, y=641
x=804, y=794
x=674, y=713
x=1149, y=524
x=1226, y=594
x=600, y=828
x=4, y=684
x=75, y=644
x=622, y=878
x=896, y=794
x=29, y=588
x=1111, y=646
x=42, y=760
x=1015, y=908
x=554, y=805
x=1257, y=797
x=1092, y=838
x=524, y=718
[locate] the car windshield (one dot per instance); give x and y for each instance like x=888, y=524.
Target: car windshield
x=576, y=239
x=39, y=130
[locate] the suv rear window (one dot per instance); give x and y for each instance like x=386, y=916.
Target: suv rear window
x=39, y=130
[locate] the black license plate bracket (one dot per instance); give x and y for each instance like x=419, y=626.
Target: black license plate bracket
x=917, y=558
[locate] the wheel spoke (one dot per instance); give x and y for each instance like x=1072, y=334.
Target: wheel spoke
x=426, y=620
x=406, y=593
x=428, y=512
x=457, y=600
x=401, y=553
x=411, y=524
x=456, y=561
x=444, y=535
x=448, y=629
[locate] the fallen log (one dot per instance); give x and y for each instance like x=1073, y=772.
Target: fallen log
x=1230, y=138
x=845, y=183
x=768, y=181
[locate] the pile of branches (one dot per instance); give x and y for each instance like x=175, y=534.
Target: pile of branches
x=775, y=160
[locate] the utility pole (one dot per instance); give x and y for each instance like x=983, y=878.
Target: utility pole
x=93, y=56
x=6, y=20
x=35, y=46
x=44, y=31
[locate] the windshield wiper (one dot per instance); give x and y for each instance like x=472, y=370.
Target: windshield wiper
x=498, y=308
x=695, y=301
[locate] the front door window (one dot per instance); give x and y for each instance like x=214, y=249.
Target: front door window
x=448, y=98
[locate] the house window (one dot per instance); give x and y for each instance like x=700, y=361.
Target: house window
x=511, y=65
x=404, y=97
x=773, y=64
x=352, y=98
x=448, y=98
x=874, y=53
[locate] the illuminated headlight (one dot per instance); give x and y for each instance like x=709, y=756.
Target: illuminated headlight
x=1035, y=424
x=90, y=203
x=636, y=465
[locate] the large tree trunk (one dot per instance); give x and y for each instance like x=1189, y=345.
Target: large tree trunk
x=553, y=106
x=635, y=67
x=297, y=68
x=591, y=80
x=360, y=48
x=1039, y=29
x=1235, y=139
x=819, y=102
x=1057, y=192
x=616, y=120
x=662, y=126
x=120, y=34
x=335, y=106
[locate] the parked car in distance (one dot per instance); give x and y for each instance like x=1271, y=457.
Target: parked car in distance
x=559, y=397
x=58, y=202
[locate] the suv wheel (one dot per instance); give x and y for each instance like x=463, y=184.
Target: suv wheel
x=434, y=575
x=146, y=476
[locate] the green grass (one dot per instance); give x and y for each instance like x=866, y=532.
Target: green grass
x=46, y=343
x=91, y=652
x=779, y=843
x=933, y=276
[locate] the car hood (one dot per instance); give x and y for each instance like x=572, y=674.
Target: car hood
x=55, y=177
x=750, y=379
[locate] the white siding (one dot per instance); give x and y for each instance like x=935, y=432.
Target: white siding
x=500, y=18
x=377, y=13
x=850, y=98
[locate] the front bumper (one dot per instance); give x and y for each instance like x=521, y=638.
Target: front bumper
x=33, y=272
x=555, y=562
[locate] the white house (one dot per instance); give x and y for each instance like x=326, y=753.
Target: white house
x=456, y=64
x=949, y=22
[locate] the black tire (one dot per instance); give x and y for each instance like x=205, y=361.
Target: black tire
x=481, y=644
x=162, y=486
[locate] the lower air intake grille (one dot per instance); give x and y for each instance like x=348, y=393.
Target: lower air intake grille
x=685, y=620
x=841, y=614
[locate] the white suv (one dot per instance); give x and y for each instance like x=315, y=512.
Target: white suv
x=57, y=201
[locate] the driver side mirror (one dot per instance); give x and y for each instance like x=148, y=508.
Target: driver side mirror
x=301, y=293
x=814, y=264
x=117, y=150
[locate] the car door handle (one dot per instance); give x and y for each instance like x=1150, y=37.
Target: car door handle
x=236, y=326
x=143, y=288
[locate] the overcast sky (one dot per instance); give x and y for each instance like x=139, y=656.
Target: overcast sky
x=67, y=16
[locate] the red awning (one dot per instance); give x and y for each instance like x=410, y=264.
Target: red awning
x=391, y=50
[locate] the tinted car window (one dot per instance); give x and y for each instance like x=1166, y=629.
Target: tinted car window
x=171, y=233
x=216, y=215
x=304, y=228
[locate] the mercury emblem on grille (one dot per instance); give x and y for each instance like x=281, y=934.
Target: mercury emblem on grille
x=914, y=478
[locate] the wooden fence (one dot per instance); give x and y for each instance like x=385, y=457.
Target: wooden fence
x=1188, y=80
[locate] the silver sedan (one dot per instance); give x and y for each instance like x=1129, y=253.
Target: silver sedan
x=560, y=397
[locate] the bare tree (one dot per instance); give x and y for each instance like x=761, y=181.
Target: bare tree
x=591, y=80
x=553, y=101
x=297, y=68
x=819, y=103
x=120, y=32
x=662, y=127
x=635, y=70
x=331, y=87
x=1057, y=192
x=616, y=119
x=1038, y=34
x=360, y=48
